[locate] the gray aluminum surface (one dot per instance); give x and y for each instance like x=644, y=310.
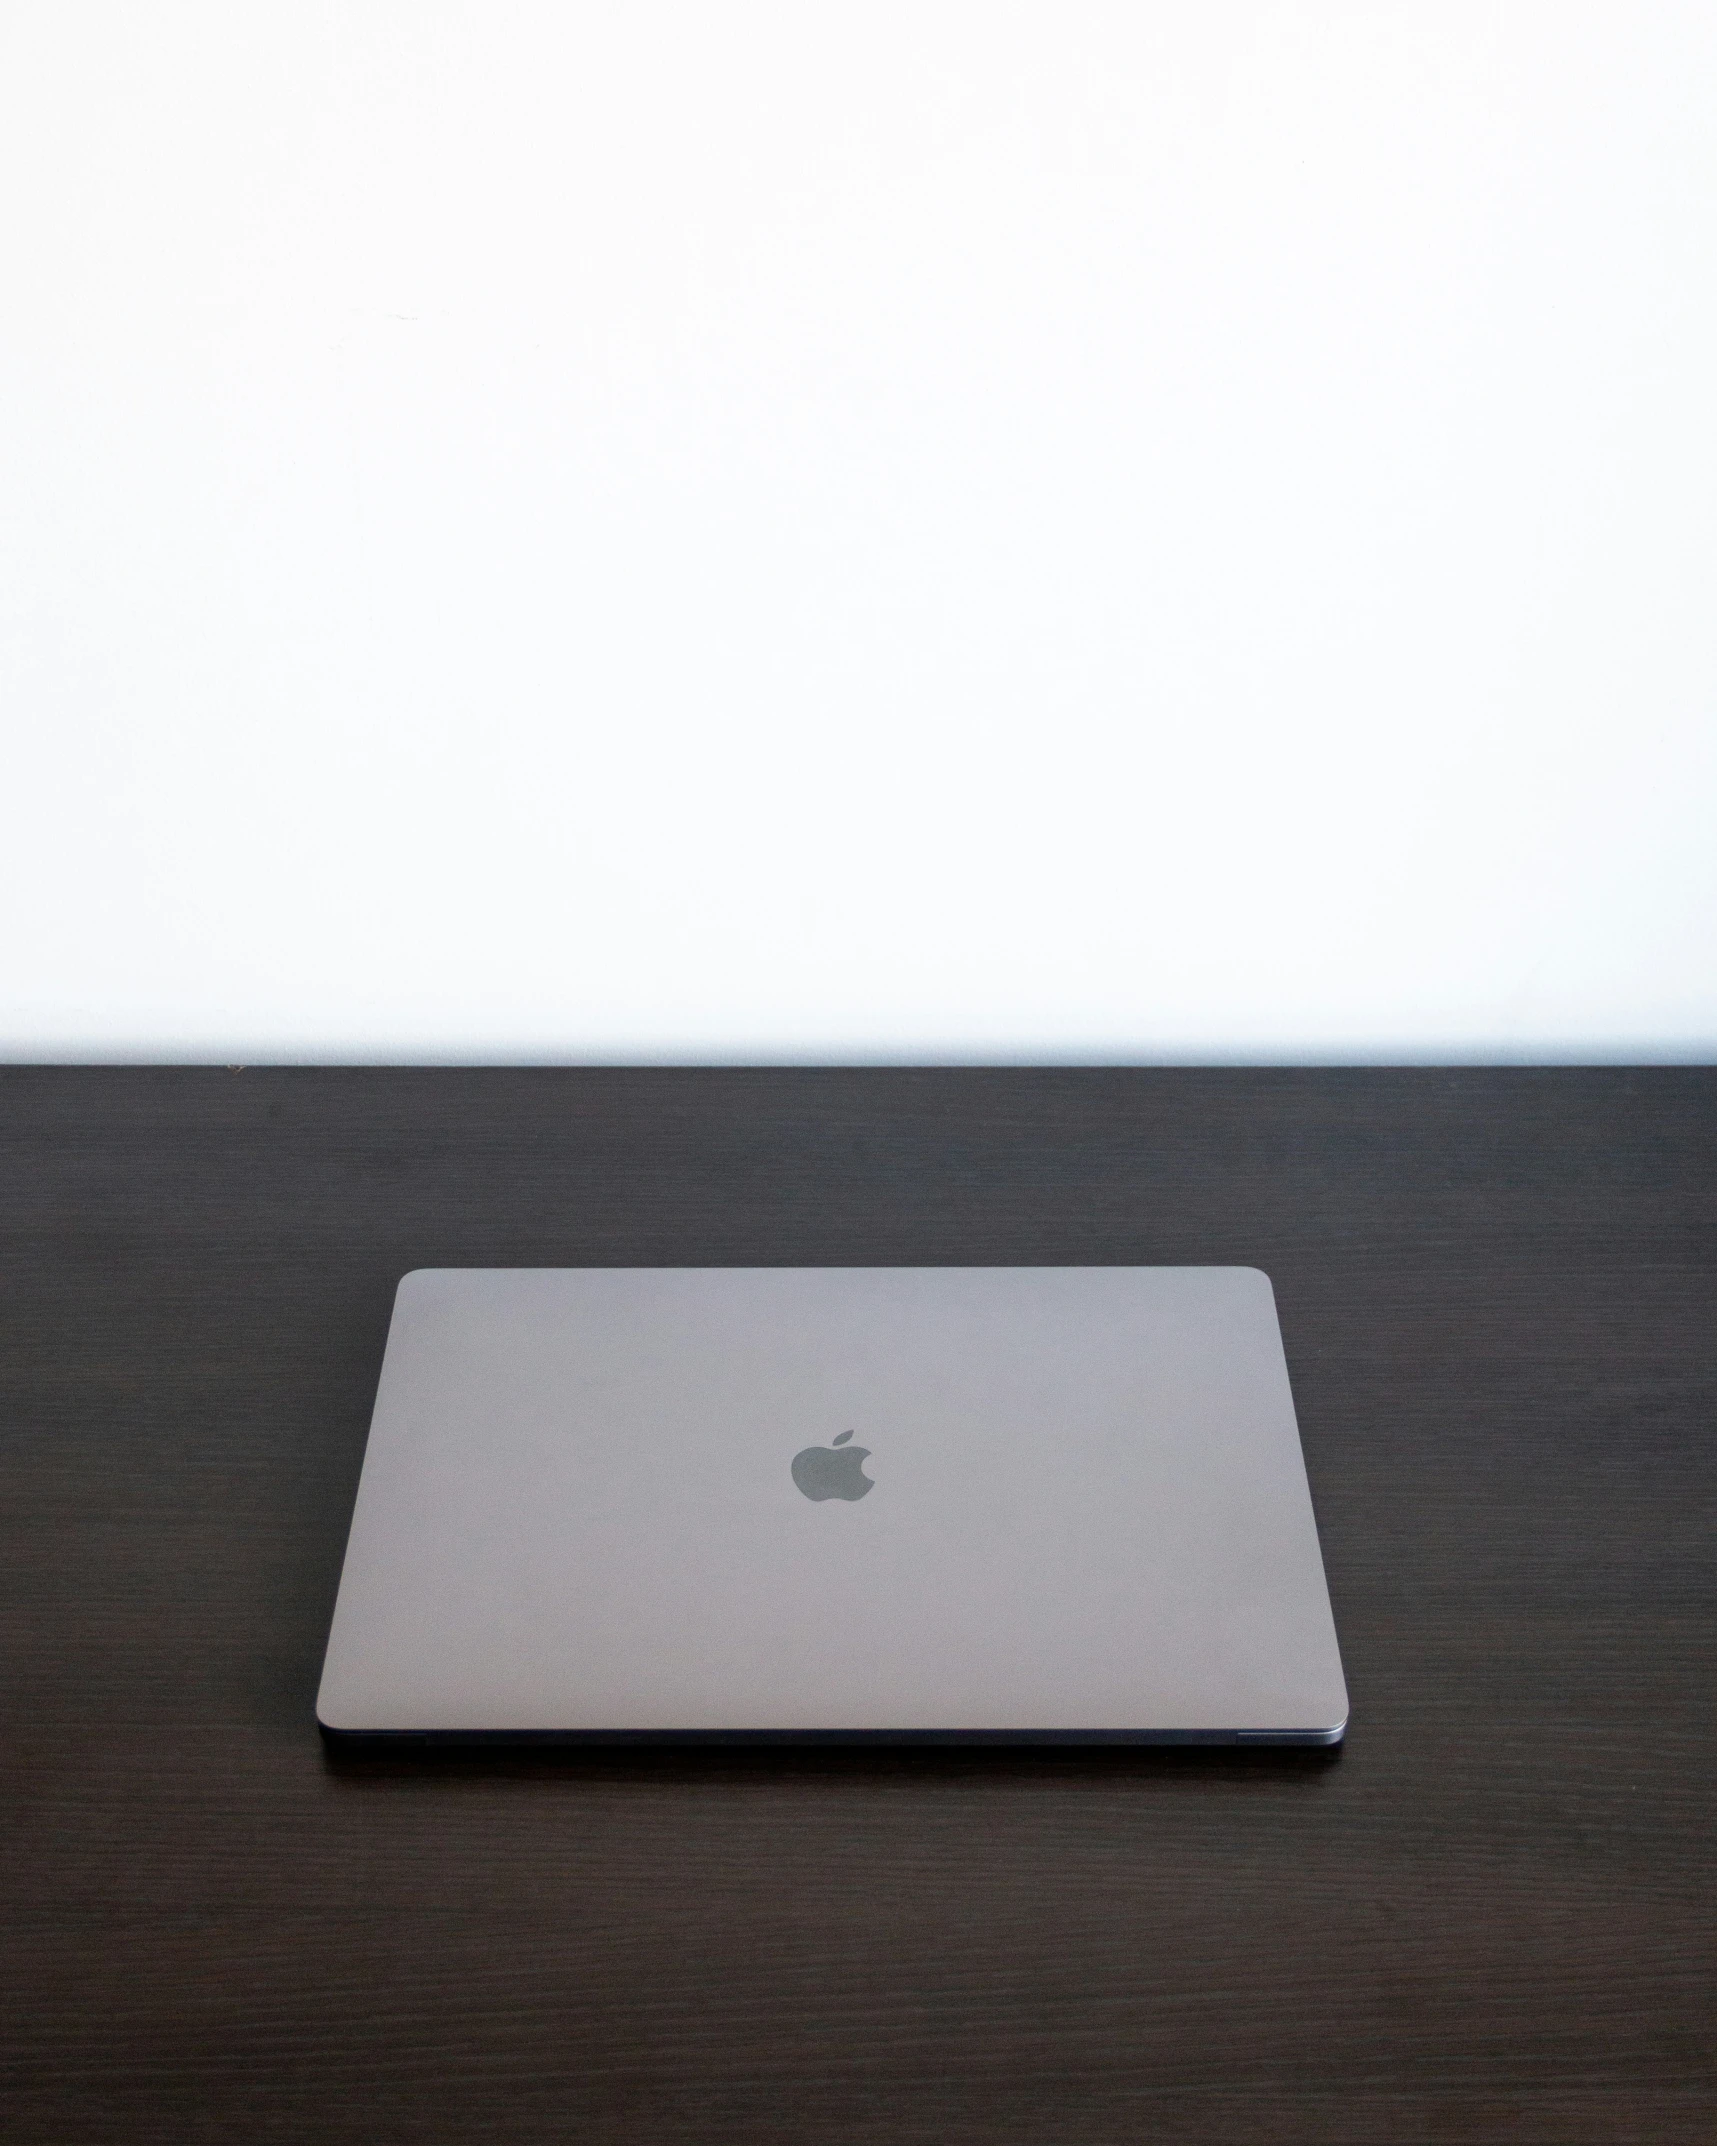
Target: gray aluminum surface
x=579, y=1513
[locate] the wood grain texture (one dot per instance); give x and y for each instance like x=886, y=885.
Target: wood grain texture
x=1489, y=1918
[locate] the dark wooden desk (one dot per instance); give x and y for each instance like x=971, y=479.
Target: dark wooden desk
x=1492, y=1917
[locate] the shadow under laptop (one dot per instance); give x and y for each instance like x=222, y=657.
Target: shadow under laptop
x=360, y=1761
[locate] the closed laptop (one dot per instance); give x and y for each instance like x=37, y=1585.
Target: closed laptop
x=1052, y=1504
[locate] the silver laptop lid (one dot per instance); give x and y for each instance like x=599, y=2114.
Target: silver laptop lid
x=1051, y=1502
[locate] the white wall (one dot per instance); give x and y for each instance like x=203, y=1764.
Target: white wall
x=849, y=529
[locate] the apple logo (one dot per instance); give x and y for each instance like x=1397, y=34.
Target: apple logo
x=834, y=1471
